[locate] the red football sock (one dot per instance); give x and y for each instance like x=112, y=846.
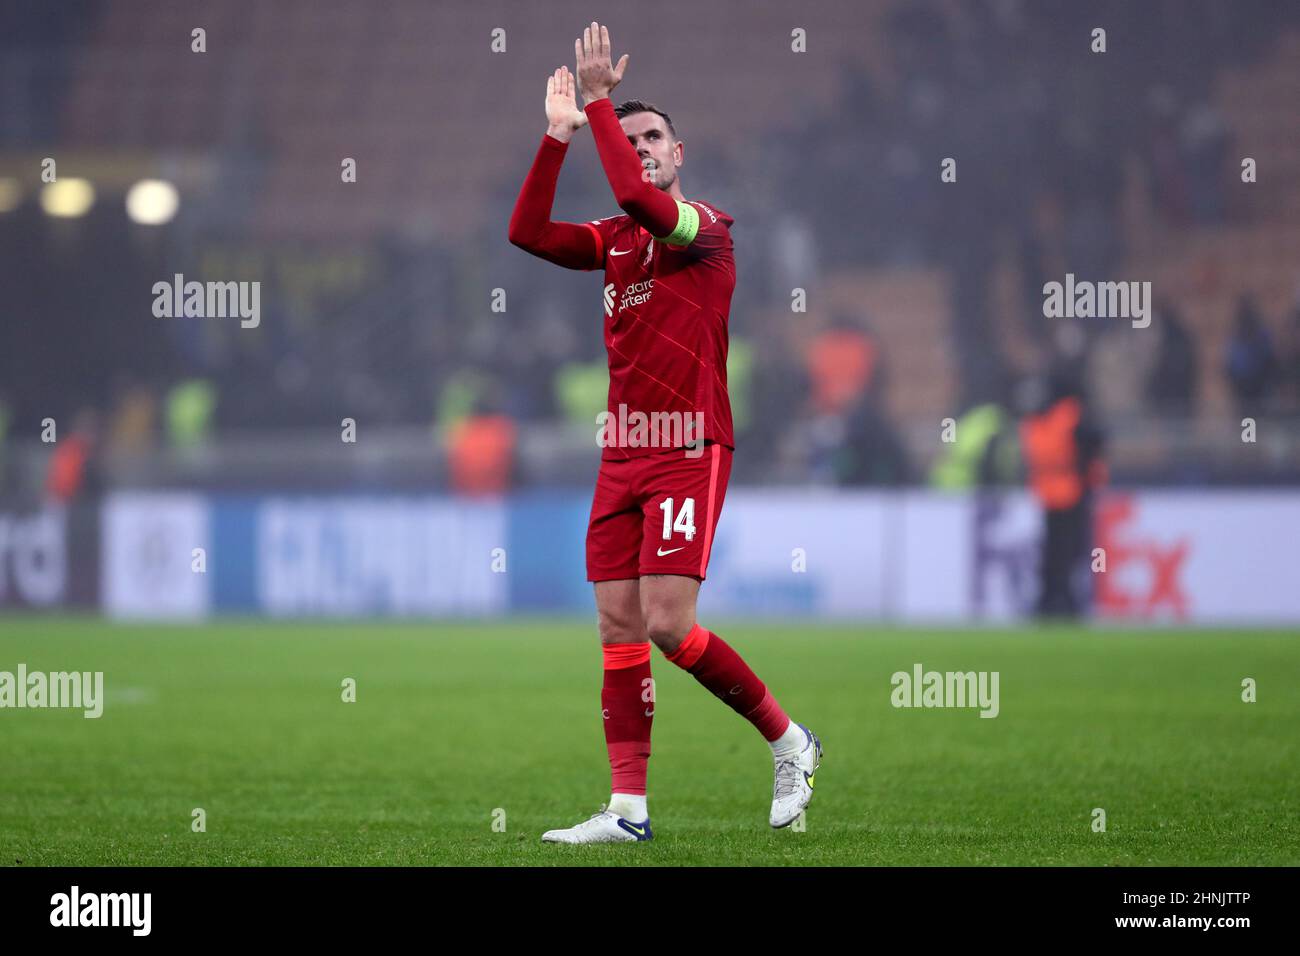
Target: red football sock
x=712, y=662
x=628, y=714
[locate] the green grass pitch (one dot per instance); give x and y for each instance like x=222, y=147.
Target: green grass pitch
x=452, y=721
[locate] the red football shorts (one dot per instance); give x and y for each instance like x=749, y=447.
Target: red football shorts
x=655, y=514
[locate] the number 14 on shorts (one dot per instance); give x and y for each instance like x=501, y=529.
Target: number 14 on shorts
x=684, y=522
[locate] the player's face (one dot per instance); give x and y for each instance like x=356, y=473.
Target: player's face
x=659, y=152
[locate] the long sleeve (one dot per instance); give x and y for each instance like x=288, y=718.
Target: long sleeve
x=650, y=207
x=568, y=244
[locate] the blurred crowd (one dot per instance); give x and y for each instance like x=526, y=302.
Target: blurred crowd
x=405, y=331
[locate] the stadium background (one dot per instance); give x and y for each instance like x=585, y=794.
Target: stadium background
x=474, y=372
x=851, y=531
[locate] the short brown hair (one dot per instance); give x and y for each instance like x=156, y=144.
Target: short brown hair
x=640, y=106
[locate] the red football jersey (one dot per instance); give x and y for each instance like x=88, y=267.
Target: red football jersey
x=666, y=313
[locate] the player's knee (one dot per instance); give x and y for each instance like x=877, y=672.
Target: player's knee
x=668, y=626
x=620, y=628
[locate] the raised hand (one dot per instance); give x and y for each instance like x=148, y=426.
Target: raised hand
x=597, y=76
x=562, y=113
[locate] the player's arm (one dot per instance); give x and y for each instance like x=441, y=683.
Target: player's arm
x=662, y=216
x=568, y=244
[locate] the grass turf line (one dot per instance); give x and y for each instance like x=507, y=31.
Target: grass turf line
x=454, y=720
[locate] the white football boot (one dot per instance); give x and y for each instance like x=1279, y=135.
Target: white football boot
x=602, y=827
x=792, y=789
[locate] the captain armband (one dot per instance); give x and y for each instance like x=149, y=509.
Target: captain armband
x=688, y=224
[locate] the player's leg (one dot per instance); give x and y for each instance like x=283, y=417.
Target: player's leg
x=668, y=607
x=627, y=695
x=682, y=501
x=613, y=548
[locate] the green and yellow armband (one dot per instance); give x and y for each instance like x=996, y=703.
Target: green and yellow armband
x=688, y=224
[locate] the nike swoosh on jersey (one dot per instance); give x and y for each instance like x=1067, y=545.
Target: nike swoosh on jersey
x=619, y=252
x=663, y=554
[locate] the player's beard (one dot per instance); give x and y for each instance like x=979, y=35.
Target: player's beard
x=662, y=177
x=653, y=175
